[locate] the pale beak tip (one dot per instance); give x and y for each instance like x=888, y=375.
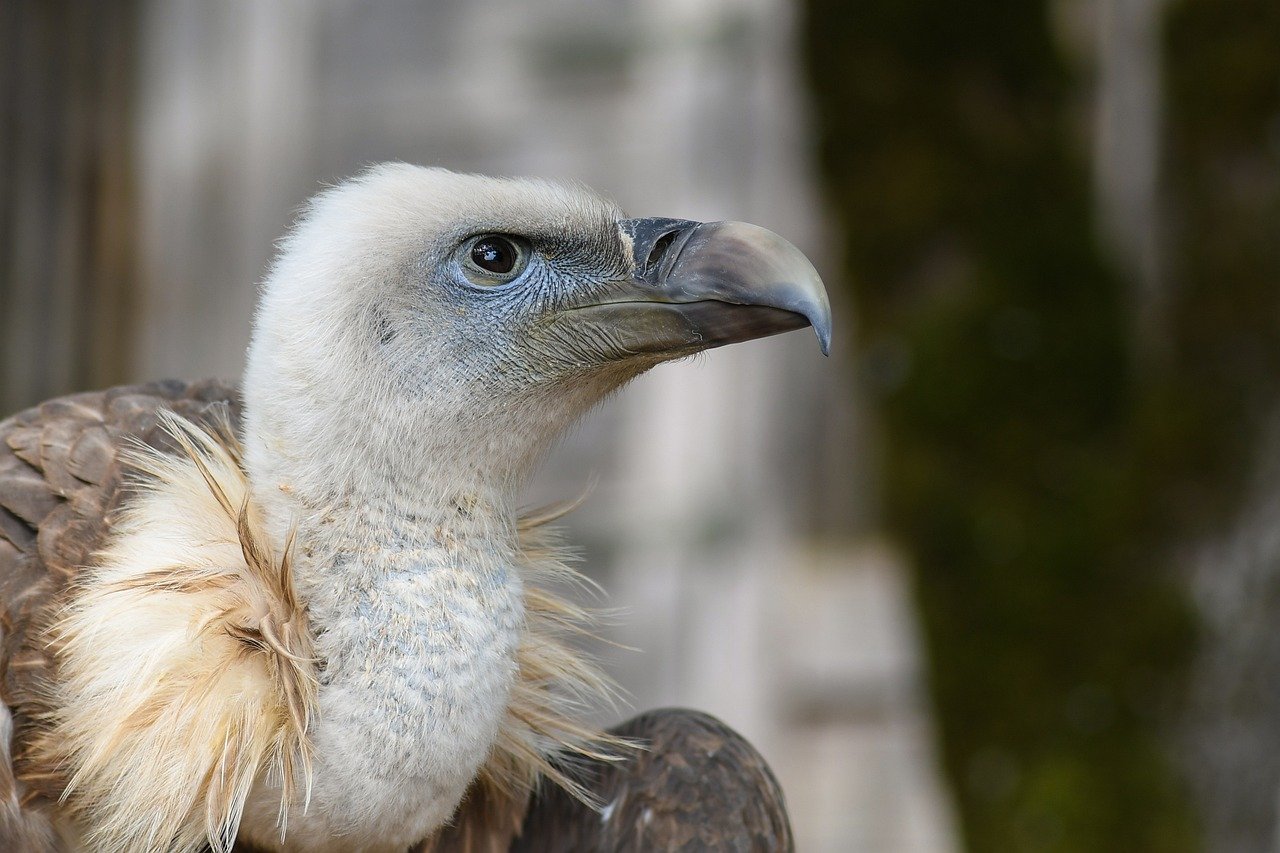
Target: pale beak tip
x=819, y=316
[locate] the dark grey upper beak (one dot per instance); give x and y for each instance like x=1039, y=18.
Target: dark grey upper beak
x=731, y=281
x=694, y=286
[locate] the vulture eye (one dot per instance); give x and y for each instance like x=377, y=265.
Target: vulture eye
x=492, y=259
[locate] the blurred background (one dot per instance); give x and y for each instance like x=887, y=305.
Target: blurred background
x=1001, y=574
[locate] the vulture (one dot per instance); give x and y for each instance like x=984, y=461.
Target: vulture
x=304, y=612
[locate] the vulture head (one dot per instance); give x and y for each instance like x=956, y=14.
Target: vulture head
x=320, y=624
x=477, y=317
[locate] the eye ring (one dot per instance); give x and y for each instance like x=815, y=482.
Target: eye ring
x=493, y=259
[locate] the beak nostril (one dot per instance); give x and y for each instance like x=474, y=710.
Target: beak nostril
x=659, y=250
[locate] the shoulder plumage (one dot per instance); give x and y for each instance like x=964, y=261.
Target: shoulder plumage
x=60, y=483
x=697, y=785
x=184, y=663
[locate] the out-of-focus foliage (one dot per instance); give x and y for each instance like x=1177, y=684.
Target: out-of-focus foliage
x=1040, y=469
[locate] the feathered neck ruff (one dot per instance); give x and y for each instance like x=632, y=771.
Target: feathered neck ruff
x=186, y=672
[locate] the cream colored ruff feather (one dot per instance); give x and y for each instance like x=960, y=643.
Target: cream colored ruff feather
x=187, y=670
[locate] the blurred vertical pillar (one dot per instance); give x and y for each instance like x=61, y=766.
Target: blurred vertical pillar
x=1126, y=155
x=67, y=212
x=744, y=480
x=225, y=141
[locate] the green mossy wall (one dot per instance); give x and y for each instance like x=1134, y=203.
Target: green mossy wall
x=1041, y=471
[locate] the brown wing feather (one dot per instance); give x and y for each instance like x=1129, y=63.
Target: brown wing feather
x=60, y=480
x=698, y=786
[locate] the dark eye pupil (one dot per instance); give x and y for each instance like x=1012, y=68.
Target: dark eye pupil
x=494, y=254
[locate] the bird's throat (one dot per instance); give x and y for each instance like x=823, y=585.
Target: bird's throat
x=417, y=613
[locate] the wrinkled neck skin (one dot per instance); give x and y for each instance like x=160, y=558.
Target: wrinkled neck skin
x=406, y=557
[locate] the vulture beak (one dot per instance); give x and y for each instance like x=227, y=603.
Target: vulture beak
x=701, y=285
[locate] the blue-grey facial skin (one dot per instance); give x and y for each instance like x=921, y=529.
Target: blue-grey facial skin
x=587, y=308
x=493, y=329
